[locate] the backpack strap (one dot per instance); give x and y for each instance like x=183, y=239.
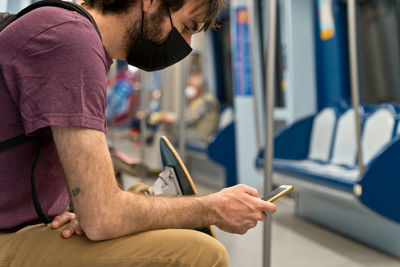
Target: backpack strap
x=36, y=203
x=13, y=142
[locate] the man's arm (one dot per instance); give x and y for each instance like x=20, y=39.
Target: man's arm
x=104, y=211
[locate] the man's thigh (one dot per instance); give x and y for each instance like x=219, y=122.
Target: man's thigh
x=39, y=245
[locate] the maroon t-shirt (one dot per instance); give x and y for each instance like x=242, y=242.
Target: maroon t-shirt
x=53, y=71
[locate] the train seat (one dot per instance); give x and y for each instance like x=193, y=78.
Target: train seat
x=332, y=155
x=342, y=169
x=225, y=119
x=322, y=132
x=332, y=192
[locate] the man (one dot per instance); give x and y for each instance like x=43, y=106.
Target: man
x=53, y=86
x=202, y=114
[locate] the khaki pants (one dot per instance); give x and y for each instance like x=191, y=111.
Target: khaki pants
x=39, y=245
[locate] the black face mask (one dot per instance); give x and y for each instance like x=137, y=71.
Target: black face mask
x=149, y=56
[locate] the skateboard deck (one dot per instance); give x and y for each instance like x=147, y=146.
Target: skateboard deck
x=170, y=158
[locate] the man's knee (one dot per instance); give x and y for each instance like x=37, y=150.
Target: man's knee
x=217, y=253
x=210, y=252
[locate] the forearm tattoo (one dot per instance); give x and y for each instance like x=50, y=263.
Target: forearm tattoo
x=76, y=191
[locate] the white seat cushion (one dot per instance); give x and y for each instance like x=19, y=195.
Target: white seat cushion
x=318, y=169
x=345, y=146
x=337, y=171
x=398, y=129
x=378, y=131
x=297, y=163
x=226, y=117
x=321, y=135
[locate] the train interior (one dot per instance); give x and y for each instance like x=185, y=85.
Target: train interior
x=344, y=209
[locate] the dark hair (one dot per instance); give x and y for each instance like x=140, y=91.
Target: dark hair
x=120, y=6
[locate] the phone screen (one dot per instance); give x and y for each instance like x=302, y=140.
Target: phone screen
x=277, y=193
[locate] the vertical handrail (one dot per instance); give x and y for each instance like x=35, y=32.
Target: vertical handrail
x=182, y=125
x=269, y=122
x=256, y=95
x=355, y=90
x=144, y=107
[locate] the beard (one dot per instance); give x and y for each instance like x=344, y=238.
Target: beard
x=152, y=29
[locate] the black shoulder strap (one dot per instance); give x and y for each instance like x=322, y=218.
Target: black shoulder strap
x=35, y=199
x=13, y=142
x=56, y=3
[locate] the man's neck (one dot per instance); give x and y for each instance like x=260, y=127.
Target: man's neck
x=112, y=29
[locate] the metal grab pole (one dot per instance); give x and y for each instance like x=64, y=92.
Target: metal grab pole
x=143, y=106
x=355, y=96
x=256, y=95
x=269, y=123
x=182, y=125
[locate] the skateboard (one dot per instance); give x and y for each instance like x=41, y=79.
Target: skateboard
x=171, y=159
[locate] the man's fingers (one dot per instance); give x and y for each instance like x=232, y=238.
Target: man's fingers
x=77, y=229
x=266, y=206
x=62, y=219
x=263, y=216
x=270, y=207
x=249, y=190
x=56, y=222
x=72, y=228
x=68, y=231
x=71, y=224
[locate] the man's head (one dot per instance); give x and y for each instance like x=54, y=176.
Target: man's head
x=151, y=19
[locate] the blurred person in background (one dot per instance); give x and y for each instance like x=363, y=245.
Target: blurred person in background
x=202, y=112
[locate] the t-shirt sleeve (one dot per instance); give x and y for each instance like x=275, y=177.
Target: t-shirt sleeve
x=62, y=78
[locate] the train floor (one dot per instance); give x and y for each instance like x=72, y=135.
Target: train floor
x=295, y=241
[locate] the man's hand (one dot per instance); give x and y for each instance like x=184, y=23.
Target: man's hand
x=238, y=208
x=71, y=224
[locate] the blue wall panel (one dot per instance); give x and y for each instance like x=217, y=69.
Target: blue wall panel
x=332, y=64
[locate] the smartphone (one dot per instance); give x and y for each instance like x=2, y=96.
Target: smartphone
x=277, y=193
